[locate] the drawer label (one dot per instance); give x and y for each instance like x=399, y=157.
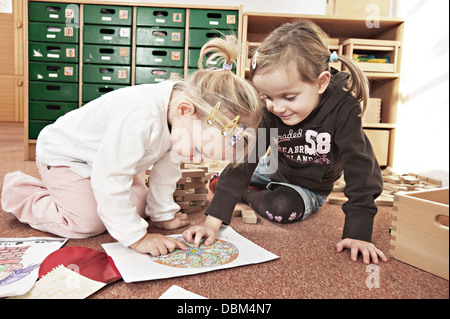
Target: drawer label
x=123, y=14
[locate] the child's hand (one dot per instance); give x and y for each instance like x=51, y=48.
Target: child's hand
x=157, y=244
x=208, y=230
x=180, y=220
x=368, y=250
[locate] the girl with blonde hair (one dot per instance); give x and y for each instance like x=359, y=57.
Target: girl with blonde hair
x=317, y=111
x=90, y=159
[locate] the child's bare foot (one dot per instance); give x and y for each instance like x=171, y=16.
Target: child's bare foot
x=179, y=221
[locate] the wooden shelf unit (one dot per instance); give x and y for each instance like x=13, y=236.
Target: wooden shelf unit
x=383, y=85
x=30, y=144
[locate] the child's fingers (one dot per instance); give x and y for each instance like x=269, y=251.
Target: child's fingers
x=210, y=240
x=180, y=245
x=381, y=255
x=188, y=235
x=354, y=252
x=339, y=247
x=198, y=238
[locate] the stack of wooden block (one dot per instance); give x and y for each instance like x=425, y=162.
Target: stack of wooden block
x=191, y=193
x=192, y=188
x=392, y=184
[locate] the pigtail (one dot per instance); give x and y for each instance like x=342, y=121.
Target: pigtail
x=358, y=84
x=221, y=50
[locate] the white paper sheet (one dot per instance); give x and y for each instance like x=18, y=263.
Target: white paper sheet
x=232, y=250
x=20, y=259
x=176, y=292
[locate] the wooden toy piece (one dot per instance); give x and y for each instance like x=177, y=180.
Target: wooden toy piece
x=385, y=200
x=392, y=179
x=237, y=212
x=337, y=200
x=249, y=217
x=420, y=233
x=192, y=173
x=408, y=179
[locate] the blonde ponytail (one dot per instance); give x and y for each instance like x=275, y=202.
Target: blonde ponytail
x=205, y=87
x=220, y=50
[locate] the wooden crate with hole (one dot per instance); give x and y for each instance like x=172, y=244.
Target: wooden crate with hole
x=419, y=234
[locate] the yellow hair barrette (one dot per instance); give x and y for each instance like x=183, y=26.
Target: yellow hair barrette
x=212, y=116
x=230, y=126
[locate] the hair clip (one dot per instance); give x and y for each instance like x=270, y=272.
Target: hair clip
x=227, y=66
x=255, y=56
x=233, y=122
x=333, y=57
x=238, y=136
x=211, y=120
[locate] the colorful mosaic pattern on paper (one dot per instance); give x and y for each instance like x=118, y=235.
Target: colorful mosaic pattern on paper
x=219, y=253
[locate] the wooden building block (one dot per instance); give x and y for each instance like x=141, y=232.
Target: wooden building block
x=420, y=230
x=337, y=200
x=187, y=172
x=249, y=217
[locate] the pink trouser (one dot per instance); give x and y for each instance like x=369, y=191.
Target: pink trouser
x=63, y=203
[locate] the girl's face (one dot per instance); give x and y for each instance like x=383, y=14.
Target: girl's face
x=193, y=139
x=292, y=100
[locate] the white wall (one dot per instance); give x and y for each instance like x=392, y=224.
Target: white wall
x=422, y=140
x=279, y=6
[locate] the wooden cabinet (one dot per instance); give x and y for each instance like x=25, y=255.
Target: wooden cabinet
x=75, y=51
x=11, y=58
x=176, y=55
x=349, y=33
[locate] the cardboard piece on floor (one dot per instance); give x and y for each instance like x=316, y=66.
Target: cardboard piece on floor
x=230, y=250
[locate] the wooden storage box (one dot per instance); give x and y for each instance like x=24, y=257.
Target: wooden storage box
x=419, y=233
x=373, y=111
x=380, y=144
x=379, y=48
x=360, y=8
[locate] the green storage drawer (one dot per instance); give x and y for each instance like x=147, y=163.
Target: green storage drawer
x=166, y=37
x=104, y=14
x=161, y=17
x=52, y=32
x=35, y=127
x=146, y=75
x=53, y=52
x=159, y=56
x=213, y=19
x=106, y=54
x=104, y=34
x=53, y=12
x=51, y=91
x=198, y=37
x=54, y=72
x=95, y=73
x=93, y=91
x=49, y=110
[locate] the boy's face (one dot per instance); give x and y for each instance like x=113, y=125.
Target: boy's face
x=292, y=100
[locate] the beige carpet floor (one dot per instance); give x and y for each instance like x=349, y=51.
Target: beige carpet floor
x=308, y=267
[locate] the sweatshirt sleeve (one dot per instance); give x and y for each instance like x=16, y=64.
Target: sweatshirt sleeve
x=234, y=180
x=112, y=175
x=164, y=176
x=362, y=175
x=230, y=188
